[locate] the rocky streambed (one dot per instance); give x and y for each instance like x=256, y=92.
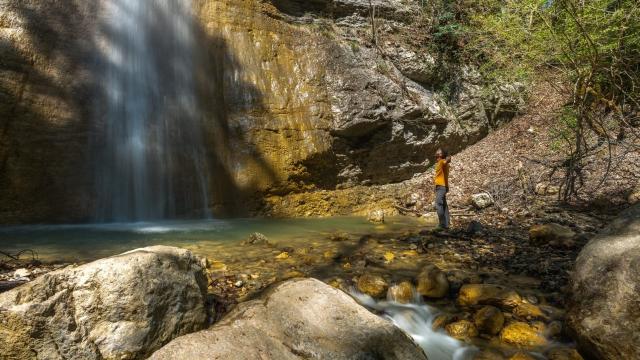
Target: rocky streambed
x=493, y=295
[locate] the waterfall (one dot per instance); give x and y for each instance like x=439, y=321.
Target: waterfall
x=151, y=159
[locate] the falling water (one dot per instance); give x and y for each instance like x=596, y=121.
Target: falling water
x=151, y=160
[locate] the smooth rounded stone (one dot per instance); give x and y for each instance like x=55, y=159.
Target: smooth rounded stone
x=527, y=311
x=489, y=320
x=482, y=200
x=298, y=319
x=604, y=307
x=522, y=334
x=441, y=321
x=488, y=294
x=121, y=307
x=373, y=285
x=462, y=329
x=403, y=292
x=376, y=216
x=553, y=234
x=562, y=353
x=522, y=356
x=432, y=282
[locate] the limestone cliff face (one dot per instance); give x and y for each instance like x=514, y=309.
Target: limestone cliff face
x=296, y=97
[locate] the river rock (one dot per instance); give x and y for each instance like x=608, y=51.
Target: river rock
x=373, y=285
x=527, y=311
x=489, y=354
x=432, y=282
x=489, y=320
x=403, y=292
x=604, y=306
x=462, y=329
x=376, y=216
x=553, y=234
x=521, y=356
x=488, y=294
x=298, y=319
x=482, y=200
x=522, y=334
x=257, y=238
x=122, y=307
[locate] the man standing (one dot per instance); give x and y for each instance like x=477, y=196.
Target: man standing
x=441, y=181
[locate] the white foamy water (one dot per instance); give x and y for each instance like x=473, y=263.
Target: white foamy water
x=417, y=321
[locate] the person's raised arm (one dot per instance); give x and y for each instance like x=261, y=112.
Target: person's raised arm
x=448, y=160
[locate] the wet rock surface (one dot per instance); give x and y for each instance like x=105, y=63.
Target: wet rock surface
x=124, y=306
x=298, y=319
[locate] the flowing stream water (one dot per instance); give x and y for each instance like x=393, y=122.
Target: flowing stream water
x=150, y=154
x=416, y=319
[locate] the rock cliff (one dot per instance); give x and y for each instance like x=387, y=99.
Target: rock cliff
x=296, y=97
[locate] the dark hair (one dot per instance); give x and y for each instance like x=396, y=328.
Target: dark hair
x=444, y=152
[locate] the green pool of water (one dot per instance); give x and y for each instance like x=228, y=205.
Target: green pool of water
x=211, y=238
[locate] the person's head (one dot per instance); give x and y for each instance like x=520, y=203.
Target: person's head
x=441, y=153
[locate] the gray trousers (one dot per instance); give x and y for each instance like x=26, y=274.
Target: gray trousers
x=441, y=206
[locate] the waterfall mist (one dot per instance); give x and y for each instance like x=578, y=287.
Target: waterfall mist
x=151, y=161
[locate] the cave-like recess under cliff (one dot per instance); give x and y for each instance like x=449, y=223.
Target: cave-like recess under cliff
x=292, y=98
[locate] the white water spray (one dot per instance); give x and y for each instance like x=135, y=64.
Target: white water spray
x=151, y=159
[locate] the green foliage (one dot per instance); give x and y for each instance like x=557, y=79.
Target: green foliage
x=593, y=44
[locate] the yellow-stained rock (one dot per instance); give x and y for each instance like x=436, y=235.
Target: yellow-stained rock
x=283, y=256
x=372, y=285
x=389, y=256
x=522, y=334
x=529, y=312
x=462, y=329
x=410, y=253
x=487, y=294
x=432, y=282
x=521, y=356
x=489, y=320
x=402, y=292
x=440, y=321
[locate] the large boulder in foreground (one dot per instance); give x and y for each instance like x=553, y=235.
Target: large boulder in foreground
x=604, y=312
x=122, y=307
x=298, y=319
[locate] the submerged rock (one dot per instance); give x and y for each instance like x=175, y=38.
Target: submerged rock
x=432, y=282
x=489, y=320
x=122, y=307
x=522, y=334
x=604, y=307
x=487, y=294
x=298, y=319
x=403, y=292
x=372, y=285
x=463, y=329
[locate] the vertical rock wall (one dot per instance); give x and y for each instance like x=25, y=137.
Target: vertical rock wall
x=297, y=97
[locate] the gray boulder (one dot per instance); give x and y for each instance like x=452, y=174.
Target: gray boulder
x=122, y=307
x=298, y=319
x=604, y=311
